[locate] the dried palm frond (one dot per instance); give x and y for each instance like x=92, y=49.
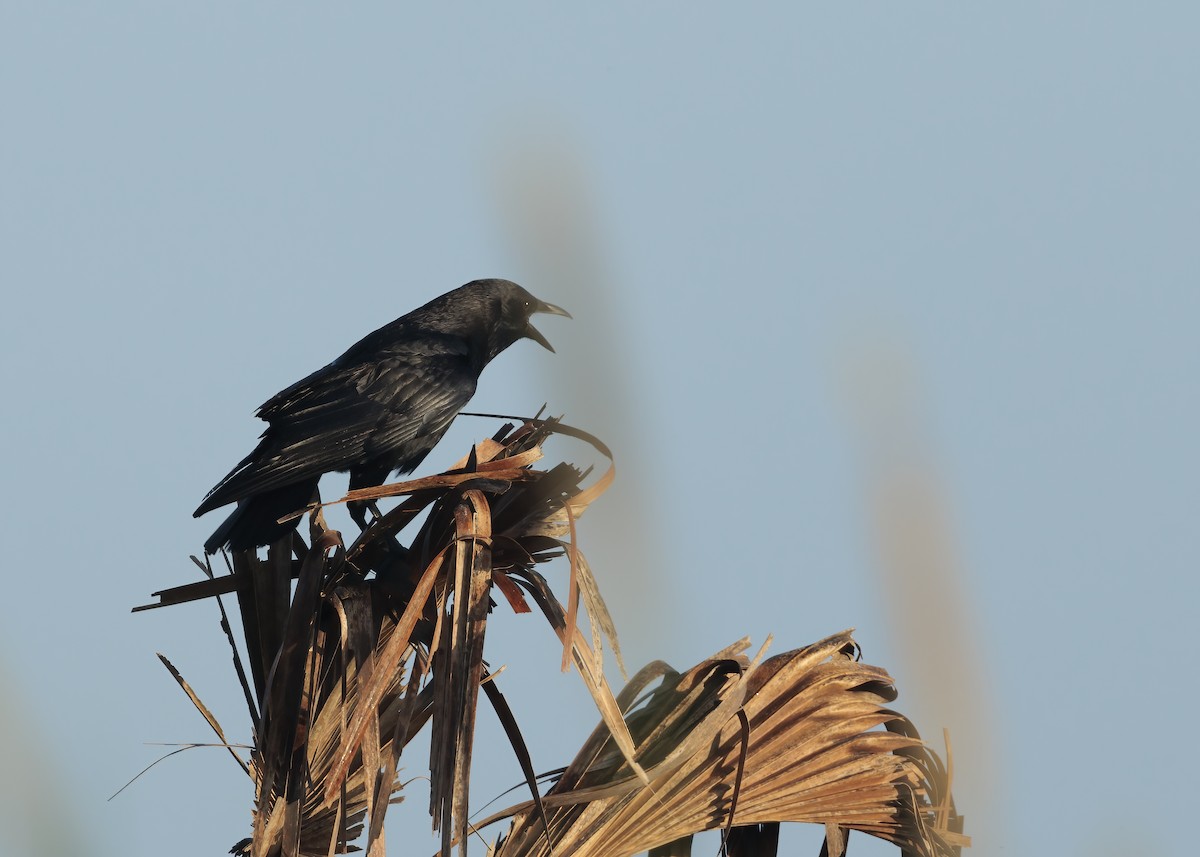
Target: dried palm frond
x=732, y=743
x=353, y=650
x=378, y=638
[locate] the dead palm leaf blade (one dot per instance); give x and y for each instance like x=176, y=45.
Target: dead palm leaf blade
x=806, y=736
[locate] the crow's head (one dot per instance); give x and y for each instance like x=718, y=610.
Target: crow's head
x=492, y=314
x=509, y=308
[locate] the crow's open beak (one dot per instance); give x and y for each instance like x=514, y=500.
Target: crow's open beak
x=535, y=334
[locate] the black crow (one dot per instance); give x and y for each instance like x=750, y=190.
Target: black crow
x=377, y=409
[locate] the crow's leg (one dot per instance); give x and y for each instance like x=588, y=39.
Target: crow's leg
x=359, y=509
x=367, y=476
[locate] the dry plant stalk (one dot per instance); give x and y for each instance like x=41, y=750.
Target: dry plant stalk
x=376, y=639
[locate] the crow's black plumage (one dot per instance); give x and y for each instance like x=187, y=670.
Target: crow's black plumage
x=377, y=409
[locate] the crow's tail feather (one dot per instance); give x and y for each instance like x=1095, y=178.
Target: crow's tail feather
x=253, y=522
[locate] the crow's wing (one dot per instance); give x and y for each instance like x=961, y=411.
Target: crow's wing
x=398, y=404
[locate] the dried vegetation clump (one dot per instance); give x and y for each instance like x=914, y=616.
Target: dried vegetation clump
x=352, y=650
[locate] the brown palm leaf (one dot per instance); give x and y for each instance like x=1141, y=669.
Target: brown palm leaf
x=374, y=640
x=805, y=736
x=378, y=638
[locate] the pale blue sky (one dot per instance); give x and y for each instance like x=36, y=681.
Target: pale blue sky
x=198, y=205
